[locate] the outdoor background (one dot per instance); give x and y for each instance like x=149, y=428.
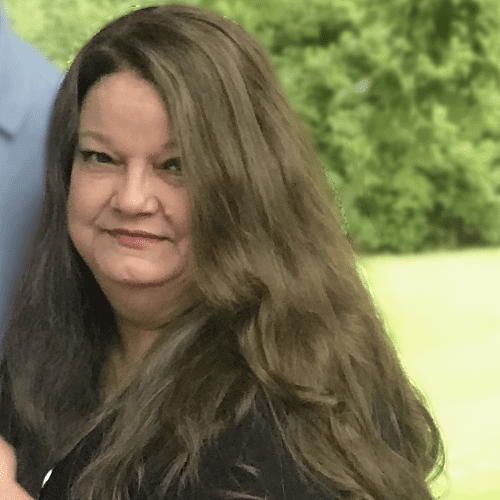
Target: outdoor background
x=402, y=99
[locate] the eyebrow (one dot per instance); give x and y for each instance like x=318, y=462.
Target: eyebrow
x=100, y=137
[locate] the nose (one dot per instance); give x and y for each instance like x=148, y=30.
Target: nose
x=134, y=192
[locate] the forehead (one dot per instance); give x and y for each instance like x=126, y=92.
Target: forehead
x=124, y=108
x=125, y=87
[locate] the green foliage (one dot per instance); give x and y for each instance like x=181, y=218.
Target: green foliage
x=59, y=28
x=402, y=101
x=401, y=97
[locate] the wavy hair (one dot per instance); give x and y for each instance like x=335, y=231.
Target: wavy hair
x=285, y=313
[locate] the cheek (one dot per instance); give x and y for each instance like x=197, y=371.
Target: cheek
x=71, y=211
x=81, y=206
x=178, y=206
x=186, y=214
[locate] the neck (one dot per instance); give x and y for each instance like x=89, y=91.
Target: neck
x=137, y=341
x=138, y=332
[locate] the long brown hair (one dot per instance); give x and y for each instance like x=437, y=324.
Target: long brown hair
x=285, y=313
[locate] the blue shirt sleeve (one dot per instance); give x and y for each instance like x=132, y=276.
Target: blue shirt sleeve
x=28, y=86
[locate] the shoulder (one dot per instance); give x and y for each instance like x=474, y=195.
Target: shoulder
x=29, y=82
x=23, y=58
x=43, y=76
x=251, y=459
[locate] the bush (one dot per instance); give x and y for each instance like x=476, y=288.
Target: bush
x=402, y=100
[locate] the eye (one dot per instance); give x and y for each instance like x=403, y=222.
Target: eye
x=94, y=156
x=172, y=165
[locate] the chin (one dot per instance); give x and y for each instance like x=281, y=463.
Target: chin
x=140, y=276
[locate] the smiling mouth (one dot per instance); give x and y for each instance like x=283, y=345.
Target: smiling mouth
x=135, y=234
x=137, y=240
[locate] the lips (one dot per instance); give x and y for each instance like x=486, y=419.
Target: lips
x=138, y=240
x=135, y=234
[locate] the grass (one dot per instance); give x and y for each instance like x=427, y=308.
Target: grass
x=441, y=309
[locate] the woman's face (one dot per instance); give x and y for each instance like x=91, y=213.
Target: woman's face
x=129, y=213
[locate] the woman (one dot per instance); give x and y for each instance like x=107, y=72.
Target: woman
x=191, y=323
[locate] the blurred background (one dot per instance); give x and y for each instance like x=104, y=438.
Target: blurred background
x=402, y=100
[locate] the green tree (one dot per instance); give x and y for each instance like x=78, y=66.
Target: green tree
x=402, y=101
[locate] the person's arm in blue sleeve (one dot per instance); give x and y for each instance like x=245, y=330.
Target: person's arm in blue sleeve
x=28, y=86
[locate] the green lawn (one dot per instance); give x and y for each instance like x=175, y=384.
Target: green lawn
x=443, y=311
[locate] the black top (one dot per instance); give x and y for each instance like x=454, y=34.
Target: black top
x=255, y=441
